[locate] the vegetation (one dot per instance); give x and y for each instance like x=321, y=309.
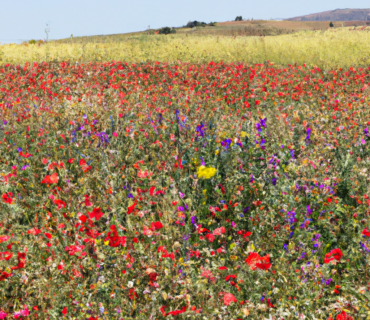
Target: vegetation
x=239, y=18
x=333, y=48
x=166, y=30
x=151, y=190
x=192, y=24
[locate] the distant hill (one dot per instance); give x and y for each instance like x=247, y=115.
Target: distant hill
x=336, y=15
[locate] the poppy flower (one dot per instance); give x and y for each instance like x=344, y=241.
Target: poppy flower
x=87, y=201
x=96, y=213
x=252, y=260
x=85, y=167
x=333, y=254
x=6, y=255
x=156, y=225
x=131, y=208
x=228, y=298
x=54, y=178
x=7, y=197
x=366, y=232
x=4, y=238
x=255, y=261
x=344, y=316
x=34, y=231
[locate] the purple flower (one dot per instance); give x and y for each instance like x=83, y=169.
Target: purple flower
x=309, y=211
x=226, y=143
x=186, y=237
x=246, y=209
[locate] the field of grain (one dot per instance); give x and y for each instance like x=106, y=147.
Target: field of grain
x=341, y=47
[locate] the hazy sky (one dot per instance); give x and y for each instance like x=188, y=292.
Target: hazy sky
x=25, y=19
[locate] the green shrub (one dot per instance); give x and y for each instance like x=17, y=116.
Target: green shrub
x=165, y=30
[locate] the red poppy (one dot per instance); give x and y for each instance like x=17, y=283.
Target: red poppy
x=333, y=254
x=51, y=179
x=5, y=255
x=34, y=231
x=131, y=208
x=344, y=316
x=228, y=298
x=85, y=167
x=87, y=201
x=7, y=197
x=366, y=232
x=255, y=261
x=252, y=260
x=96, y=213
x=156, y=225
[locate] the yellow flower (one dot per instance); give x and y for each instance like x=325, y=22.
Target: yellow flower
x=243, y=134
x=206, y=173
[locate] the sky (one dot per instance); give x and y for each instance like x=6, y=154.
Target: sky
x=23, y=20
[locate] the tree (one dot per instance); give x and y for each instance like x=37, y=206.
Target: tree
x=239, y=18
x=331, y=25
x=165, y=30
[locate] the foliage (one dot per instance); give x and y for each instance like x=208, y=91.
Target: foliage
x=35, y=41
x=239, y=18
x=216, y=191
x=192, y=24
x=167, y=30
x=331, y=25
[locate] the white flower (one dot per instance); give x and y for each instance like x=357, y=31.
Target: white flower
x=130, y=284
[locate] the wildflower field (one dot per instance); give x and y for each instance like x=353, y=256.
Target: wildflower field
x=184, y=190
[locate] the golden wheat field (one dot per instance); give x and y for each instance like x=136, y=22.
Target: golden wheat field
x=340, y=47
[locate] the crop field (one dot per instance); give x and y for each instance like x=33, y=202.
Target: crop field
x=183, y=189
x=335, y=48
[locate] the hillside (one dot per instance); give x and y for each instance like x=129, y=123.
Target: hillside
x=336, y=15
x=228, y=28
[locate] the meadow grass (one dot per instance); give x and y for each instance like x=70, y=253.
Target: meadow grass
x=339, y=47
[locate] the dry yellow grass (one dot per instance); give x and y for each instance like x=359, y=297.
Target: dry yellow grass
x=332, y=48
